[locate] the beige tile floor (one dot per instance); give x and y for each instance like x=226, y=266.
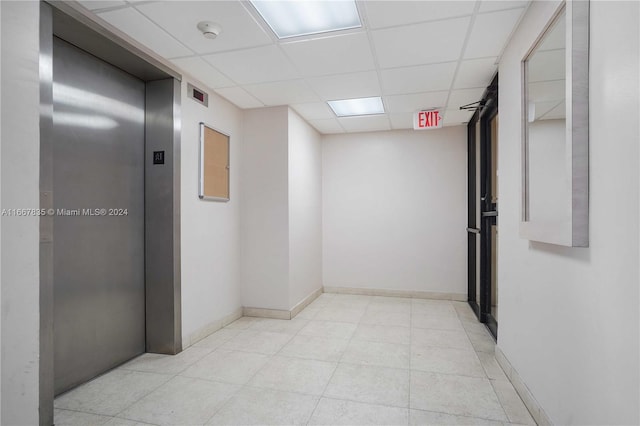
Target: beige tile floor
x=344, y=360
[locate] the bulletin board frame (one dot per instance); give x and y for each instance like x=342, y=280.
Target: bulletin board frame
x=214, y=164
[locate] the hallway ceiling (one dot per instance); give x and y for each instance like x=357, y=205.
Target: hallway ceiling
x=415, y=54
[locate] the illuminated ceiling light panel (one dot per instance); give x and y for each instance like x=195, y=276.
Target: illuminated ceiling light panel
x=298, y=18
x=360, y=106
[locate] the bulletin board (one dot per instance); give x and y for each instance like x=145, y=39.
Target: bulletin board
x=214, y=164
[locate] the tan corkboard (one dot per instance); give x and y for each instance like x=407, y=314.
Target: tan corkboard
x=214, y=164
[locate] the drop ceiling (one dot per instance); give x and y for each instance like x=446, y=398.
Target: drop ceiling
x=415, y=54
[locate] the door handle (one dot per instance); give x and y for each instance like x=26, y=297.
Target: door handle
x=473, y=230
x=493, y=213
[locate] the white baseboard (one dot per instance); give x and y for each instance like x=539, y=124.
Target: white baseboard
x=462, y=297
x=282, y=314
x=536, y=410
x=305, y=302
x=210, y=328
x=266, y=313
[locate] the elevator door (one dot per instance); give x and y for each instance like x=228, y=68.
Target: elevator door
x=98, y=231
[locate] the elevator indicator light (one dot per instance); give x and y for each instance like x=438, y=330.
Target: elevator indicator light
x=158, y=157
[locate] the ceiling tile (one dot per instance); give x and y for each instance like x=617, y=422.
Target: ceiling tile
x=425, y=78
x=382, y=14
x=239, y=97
x=99, y=4
x=455, y=117
x=179, y=18
x=331, y=55
x=419, y=44
x=135, y=25
x=327, y=126
x=402, y=120
x=492, y=5
x=314, y=111
x=282, y=92
x=204, y=72
x=370, y=123
x=490, y=33
x=415, y=102
x=256, y=65
x=462, y=97
x=346, y=86
x=475, y=73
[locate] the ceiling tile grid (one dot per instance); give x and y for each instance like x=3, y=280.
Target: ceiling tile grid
x=414, y=54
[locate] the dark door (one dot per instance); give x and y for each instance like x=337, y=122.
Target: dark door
x=482, y=228
x=98, y=230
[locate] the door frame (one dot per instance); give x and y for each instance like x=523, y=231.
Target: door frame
x=488, y=209
x=163, y=323
x=486, y=111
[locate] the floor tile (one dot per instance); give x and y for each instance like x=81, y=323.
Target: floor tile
x=464, y=311
x=314, y=347
x=511, y=403
x=181, y=401
x=429, y=418
x=218, y=338
x=294, y=375
x=242, y=323
x=435, y=321
x=308, y=313
x=279, y=326
x=254, y=406
x=340, y=314
x=474, y=326
x=383, y=333
x=390, y=304
x=111, y=393
x=377, y=353
x=342, y=412
x=442, y=309
x=491, y=366
x=418, y=302
x=350, y=301
x=370, y=384
x=322, y=301
x=337, y=330
x=167, y=364
x=116, y=421
x=463, y=362
x=482, y=342
x=76, y=418
x=459, y=395
x=262, y=342
x=393, y=318
x=404, y=301
x=227, y=366
x=440, y=338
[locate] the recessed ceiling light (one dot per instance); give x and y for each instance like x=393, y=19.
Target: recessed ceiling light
x=298, y=18
x=360, y=106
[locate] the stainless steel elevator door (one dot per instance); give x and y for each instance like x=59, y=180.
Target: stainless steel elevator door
x=98, y=231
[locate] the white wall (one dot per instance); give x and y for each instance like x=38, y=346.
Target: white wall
x=210, y=230
x=20, y=166
x=265, y=211
x=394, y=210
x=305, y=209
x=569, y=316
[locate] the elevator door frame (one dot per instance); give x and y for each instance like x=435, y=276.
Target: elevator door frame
x=162, y=184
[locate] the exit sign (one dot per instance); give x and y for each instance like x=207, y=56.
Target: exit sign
x=427, y=120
